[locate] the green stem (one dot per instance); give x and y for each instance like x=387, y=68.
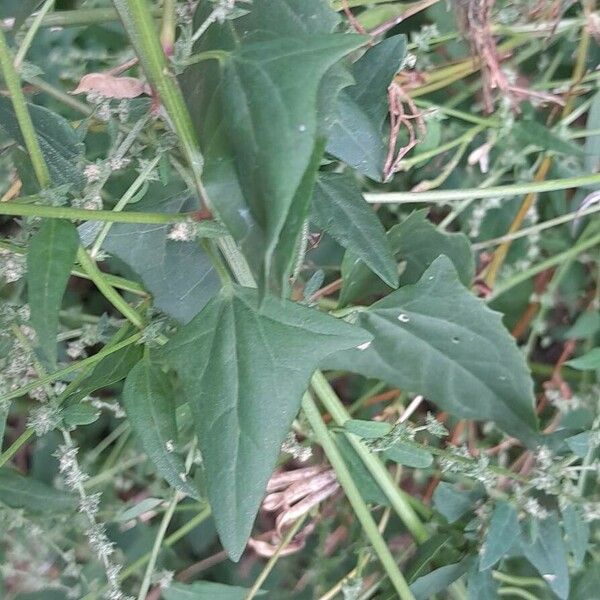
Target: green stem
x=289, y=536
x=13, y=83
x=397, y=498
x=546, y=264
x=96, y=275
x=60, y=374
x=518, y=580
x=352, y=493
x=162, y=530
x=515, y=189
x=80, y=214
x=31, y=31
x=518, y=592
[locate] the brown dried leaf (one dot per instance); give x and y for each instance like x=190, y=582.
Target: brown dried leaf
x=110, y=86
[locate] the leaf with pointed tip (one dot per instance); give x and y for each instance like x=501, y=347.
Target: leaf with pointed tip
x=341, y=211
x=409, y=456
x=205, y=590
x=415, y=243
x=244, y=367
x=502, y=532
x=355, y=132
x=150, y=407
x=50, y=259
x=547, y=553
x=179, y=275
x=59, y=142
x=440, y=579
x=438, y=327
x=577, y=533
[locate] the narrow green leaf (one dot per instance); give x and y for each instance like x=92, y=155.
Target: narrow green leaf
x=79, y=414
x=440, y=579
x=205, y=590
x=50, y=259
x=502, y=532
x=368, y=429
x=17, y=491
x=591, y=161
x=409, y=456
x=60, y=145
x=437, y=326
x=481, y=585
x=415, y=243
x=341, y=211
x=577, y=533
x=244, y=368
x=547, y=553
x=425, y=554
x=531, y=132
x=453, y=502
x=150, y=406
x=588, y=362
x=147, y=504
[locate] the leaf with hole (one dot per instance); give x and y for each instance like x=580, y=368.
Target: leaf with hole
x=149, y=402
x=51, y=255
x=244, y=366
x=437, y=326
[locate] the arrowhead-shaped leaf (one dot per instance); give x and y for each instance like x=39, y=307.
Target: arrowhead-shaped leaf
x=355, y=132
x=415, y=243
x=179, y=275
x=438, y=327
x=341, y=211
x=244, y=368
x=150, y=407
x=503, y=530
x=50, y=259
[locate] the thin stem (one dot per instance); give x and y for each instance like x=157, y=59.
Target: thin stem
x=11, y=78
x=32, y=30
x=96, y=275
x=122, y=203
x=441, y=196
x=79, y=214
x=352, y=493
x=169, y=23
x=162, y=530
x=514, y=591
x=289, y=536
x=397, y=498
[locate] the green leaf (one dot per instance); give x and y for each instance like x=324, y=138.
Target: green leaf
x=453, y=502
x=244, y=368
x=579, y=443
x=111, y=369
x=415, y=243
x=591, y=161
x=179, y=275
x=59, y=142
x=147, y=504
x=205, y=590
x=502, y=532
x=149, y=402
x=481, y=585
x=425, y=554
x=531, y=132
x=341, y=211
x=588, y=362
x=355, y=133
x=274, y=142
x=440, y=579
x=17, y=491
x=577, y=533
x=368, y=487
x=586, y=326
x=409, y=456
x=50, y=258
x=547, y=553
x=435, y=338
x=19, y=10
x=368, y=429
x=79, y=414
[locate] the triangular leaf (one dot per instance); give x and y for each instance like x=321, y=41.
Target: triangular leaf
x=415, y=243
x=341, y=211
x=50, y=259
x=150, y=407
x=437, y=326
x=244, y=368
